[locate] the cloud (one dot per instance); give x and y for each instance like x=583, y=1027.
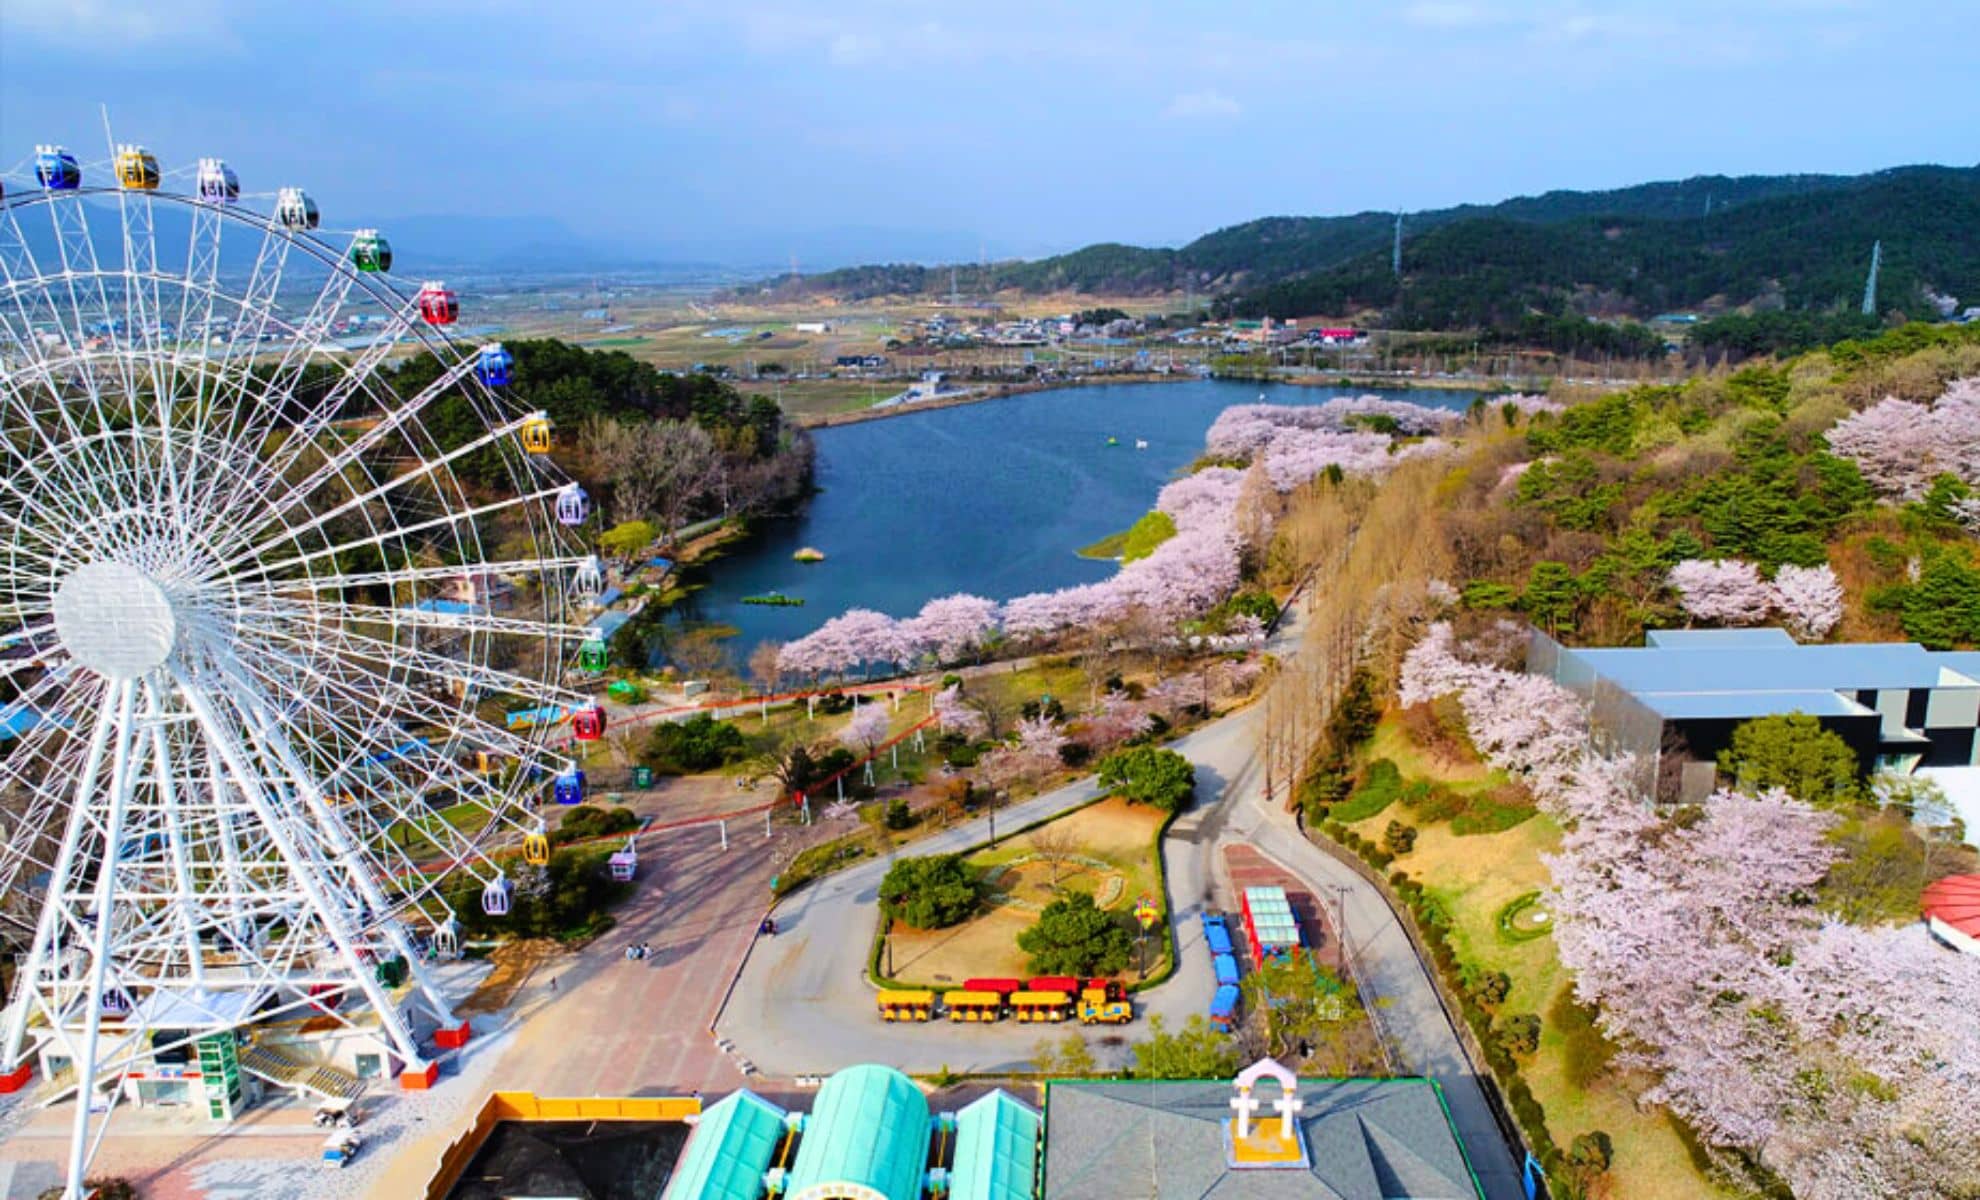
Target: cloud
x=1201, y=105
x=120, y=24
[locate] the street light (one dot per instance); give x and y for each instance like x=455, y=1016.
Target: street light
x=1340, y=923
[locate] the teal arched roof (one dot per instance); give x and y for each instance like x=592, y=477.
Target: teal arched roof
x=867, y=1139
x=996, y=1150
x=730, y=1149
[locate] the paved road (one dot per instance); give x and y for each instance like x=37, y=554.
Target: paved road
x=802, y=1004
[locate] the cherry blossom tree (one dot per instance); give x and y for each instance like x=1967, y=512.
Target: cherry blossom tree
x=1900, y=446
x=954, y=715
x=1204, y=499
x=1727, y=591
x=867, y=729
x=1114, y=720
x=1038, y=741
x=1809, y=599
x=950, y=626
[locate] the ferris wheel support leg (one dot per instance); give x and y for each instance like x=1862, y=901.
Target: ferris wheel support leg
x=271, y=737
x=303, y=870
x=99, y=954
x=17, y=1071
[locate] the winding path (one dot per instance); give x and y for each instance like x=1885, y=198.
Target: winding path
x=802, y=1005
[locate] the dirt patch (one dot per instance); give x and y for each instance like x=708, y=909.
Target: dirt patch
x=1113, y=830
x=514, y=963
x=1029, y=886
x=943, y=958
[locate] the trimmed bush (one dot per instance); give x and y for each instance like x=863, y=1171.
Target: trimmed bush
x=1379, y=786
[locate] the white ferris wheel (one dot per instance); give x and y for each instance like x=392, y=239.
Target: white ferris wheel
x=264, y=588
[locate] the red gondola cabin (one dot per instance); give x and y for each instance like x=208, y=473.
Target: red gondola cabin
x=588, y=724
x=437, y=304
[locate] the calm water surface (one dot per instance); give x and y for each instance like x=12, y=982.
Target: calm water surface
x=994, y=498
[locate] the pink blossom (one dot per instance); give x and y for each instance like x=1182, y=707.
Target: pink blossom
x=1206, y=498
x=948, y=626
x=1810, y=600
x=953, y=715
x=1114, y=720
x=867, y=729
x=1728, y=592
x=1900, y=447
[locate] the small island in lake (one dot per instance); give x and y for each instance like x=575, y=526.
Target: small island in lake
x=809, y=554
x=775, y=600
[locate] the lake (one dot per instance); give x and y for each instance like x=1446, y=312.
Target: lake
x=993, y=498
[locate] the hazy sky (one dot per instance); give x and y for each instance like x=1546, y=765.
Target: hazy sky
x=685, y=127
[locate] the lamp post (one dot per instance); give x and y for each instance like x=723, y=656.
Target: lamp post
x=1340, y=921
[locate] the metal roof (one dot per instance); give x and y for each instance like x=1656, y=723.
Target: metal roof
x=996, y=1149
x=867, y=1139
x=1272, y=920
x=731, y=1149
x=1849, y=667
x=1955, y=900
x=1682, y=706
x=1367, y=1139
x=1715, y=639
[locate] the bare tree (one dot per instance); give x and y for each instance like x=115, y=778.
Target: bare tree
x=655, y=467
x=1056, y=845
x=763, y=670
x=998, y=707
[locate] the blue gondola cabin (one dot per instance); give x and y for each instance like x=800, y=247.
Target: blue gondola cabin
x=568, y=787
x=56, y=169
x=495, y=367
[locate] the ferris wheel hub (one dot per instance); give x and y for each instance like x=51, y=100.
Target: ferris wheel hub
x=114, y=619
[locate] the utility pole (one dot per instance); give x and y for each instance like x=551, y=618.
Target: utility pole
x=1870, y=284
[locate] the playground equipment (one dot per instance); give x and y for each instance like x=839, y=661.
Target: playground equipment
x=906, y=1005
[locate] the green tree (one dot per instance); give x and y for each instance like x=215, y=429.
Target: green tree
x=1793, y=752
x=1144, y=535
x=627, y=538
x=1075, y=936
x=1149, y=775
x=1589, y=1157
x=1194, y=1052
x=1399, y=839
x=931, y=892
x=1552, y=596
x=1069, y=1057
x=1520, y=1034
x=700, y=743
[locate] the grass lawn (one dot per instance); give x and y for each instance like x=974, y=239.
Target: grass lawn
x=1111, y=831
x=1475, y=878
x=413, y=835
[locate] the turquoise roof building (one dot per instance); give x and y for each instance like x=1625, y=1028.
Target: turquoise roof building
x=867, y=1139
x=996, y=1150
x=729, y=1151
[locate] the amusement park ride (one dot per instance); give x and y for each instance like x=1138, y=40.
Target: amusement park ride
x=227, y=682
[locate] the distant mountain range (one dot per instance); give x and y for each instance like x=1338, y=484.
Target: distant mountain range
x=1712, y=242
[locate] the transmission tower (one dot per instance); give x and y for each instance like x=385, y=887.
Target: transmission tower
x=1870, y=284
x=1395, y=255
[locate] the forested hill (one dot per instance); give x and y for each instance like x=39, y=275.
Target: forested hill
x=1804, y=239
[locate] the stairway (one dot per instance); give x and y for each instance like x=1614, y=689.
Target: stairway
x=285, y=1070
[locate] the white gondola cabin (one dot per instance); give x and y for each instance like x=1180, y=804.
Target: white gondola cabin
x=589, y=579
x=295, y=211
x=573, y=505
x=496, y=897
x=216, y=182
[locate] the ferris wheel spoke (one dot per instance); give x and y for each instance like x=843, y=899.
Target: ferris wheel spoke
x=437, y=667
x=418, y=618
x=415, y=575
x=424, y=471
x=339, y=461
x=377, y=541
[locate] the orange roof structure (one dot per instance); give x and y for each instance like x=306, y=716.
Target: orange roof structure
x=1954, y=903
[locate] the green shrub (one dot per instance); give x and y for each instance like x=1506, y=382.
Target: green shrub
x=1380, y=783
x=1433, y=801
x=1494, y=811
x=565, y=898
x=1150, y=775
x=590, y=821
x=899, y=816
x=1488, y=989
x=930, y=892
x=1520, y=1034
x=1399, y=839
x=1075, y=936
x=700, y=743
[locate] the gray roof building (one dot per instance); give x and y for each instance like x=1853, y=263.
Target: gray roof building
x=1366, y=1139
